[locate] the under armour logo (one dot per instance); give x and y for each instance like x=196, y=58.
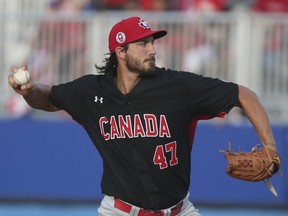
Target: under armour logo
x=98, y=99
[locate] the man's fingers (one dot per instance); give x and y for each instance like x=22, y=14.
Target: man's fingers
x=12, y=82
x=24, y=66
x=14, y=69
x=27, y=86
x=20, y=89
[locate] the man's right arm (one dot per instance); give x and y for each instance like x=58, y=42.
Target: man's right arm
x=36, y=95
x=38, y=98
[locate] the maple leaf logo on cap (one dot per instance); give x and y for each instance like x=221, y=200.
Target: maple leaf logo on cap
x=143, y=24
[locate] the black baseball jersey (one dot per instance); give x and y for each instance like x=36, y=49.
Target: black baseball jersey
x=145, y=137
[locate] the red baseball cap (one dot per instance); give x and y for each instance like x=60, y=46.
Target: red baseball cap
x=129, y=30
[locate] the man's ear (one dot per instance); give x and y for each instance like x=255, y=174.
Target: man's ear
x=120, y=52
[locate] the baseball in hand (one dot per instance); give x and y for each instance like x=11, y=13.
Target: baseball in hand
x=21, y=77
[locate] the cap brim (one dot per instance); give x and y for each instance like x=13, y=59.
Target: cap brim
x=159, y=34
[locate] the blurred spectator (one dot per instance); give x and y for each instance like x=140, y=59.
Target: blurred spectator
x=92, y=5
x=202, y=6
x=111, y=5
x=274, y=44
x=57, y=50
x=155, y=5
x=72, y=39
x=61, y=41
x=274, y=62
x=208, y=54
x=200, y=52
x=131, y=5
x=115, y=4
x=207, y=50
x=145, y=5
x=239, y=5
x=271, y=6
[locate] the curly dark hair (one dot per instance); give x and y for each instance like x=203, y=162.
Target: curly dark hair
x=110, y=63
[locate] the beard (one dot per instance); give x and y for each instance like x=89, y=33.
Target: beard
x=136, y=66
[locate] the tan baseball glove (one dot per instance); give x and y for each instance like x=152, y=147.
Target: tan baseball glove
x=253, y=166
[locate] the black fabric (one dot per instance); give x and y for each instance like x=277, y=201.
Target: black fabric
x=144, y=137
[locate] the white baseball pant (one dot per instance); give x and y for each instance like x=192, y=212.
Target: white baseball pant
x=107, y=208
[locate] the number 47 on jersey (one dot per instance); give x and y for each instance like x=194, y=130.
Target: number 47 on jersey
x=160, y=157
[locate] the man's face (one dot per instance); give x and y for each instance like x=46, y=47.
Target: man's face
x=140, y=57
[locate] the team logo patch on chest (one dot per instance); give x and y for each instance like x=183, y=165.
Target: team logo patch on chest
x=148, y=125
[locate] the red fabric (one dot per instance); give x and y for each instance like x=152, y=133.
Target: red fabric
x=127, y=208
x=130, y=30
x=156, y=5
x=201, y=5
x=271, y=6
x=217, y=4
x=122, y=206
x=146, y=4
